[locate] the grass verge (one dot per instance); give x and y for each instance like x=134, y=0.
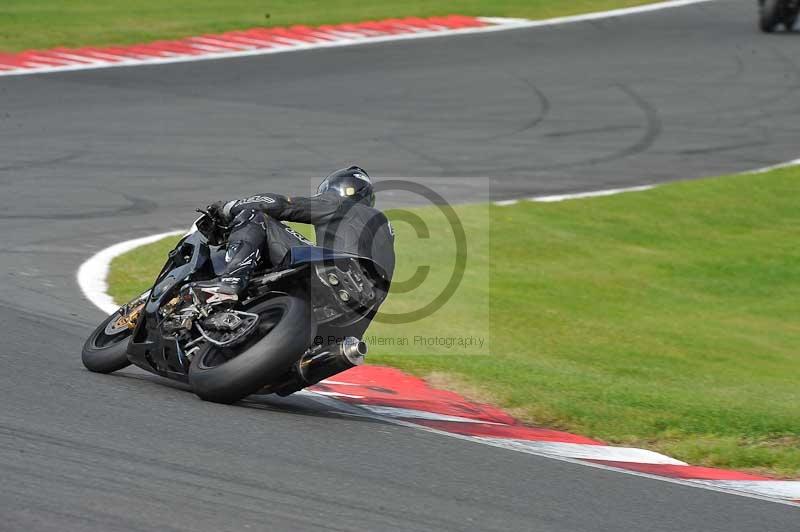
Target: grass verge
x=48, y=23
x=666, y=319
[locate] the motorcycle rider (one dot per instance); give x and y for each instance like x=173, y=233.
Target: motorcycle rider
x=344, y=219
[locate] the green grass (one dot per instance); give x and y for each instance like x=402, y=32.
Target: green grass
x=28, y=24
x=666, y=319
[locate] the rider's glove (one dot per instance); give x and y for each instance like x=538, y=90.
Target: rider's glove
x=217, y=212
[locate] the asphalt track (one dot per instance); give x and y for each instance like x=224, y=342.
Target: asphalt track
x=91, y=158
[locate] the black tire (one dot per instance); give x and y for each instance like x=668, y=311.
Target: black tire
x=770, y=15
x=287, y=329
x=105, y=351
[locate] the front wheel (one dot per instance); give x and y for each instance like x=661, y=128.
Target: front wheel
x=285, y=330
x=105, y=350
x=770, y=15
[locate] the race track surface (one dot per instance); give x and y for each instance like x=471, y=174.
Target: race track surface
x=91, y=158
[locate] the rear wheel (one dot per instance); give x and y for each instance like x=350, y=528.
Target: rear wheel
x=106, y=348
x=771, y=13
x=284, y=332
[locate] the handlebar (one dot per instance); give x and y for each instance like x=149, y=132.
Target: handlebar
x=213, y=229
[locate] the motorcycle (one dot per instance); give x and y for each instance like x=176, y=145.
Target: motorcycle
x=280, y=337
x=775, y=12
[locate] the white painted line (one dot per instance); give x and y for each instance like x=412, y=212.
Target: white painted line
x=204, y=48
x=37, y=65
x=249, y=40
x=340, y=383
x=220, y=44
x=407, y=413
x=48, y=61
x=347, y=35
x=92, y=273
x=106, y=56
x=587, y=452
x=500, y=24
x=506, y=20
x=614, y=191
x=337, y=394
x=781, y=489
x=79, y=58
x=709, y=485
x=364, y=32
x=593, y=194
x=317, y=35
x=766, y=169
x=626, y=11
x=288, y=42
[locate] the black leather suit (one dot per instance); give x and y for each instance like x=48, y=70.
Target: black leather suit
x=340, y=224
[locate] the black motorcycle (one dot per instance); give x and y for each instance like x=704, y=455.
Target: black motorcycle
x=773, y=13
x=280, y=337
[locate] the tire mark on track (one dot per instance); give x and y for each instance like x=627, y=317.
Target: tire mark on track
x=544, y=111
x=137, y=207
x=393, y=139
x=588, y=131
x=44, y=162
x=727, y=147
x=652, y=128
x=759, y=104
x=738, y=70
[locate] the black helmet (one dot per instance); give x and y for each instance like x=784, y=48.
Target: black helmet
x=353, y=183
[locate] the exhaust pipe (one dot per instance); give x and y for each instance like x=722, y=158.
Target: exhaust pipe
x=315, y=367
x=318, y=364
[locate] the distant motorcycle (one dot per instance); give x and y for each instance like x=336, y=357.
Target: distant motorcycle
x=264, y=344
x=773, y=13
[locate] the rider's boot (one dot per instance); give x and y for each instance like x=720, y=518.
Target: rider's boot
x=241, y=258
x=219, y=290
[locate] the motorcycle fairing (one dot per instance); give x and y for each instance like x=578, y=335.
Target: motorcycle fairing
x=194, y=259
x=148, y=348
